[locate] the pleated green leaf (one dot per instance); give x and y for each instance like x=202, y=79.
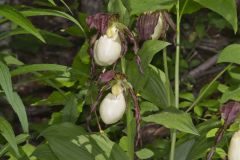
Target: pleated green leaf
x=18, y=18
x=13, y=98
x=7, y=132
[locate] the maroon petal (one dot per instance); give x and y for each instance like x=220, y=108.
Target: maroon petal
x=99, y=21
x=107, y=76
x=229, y=112
x=137, y=116
x=146, y=24
x=138, y=61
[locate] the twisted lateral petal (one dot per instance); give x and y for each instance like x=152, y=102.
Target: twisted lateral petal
x=158, y=28
x=152, y=25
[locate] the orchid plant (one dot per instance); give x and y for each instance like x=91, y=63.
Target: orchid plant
x=128, y=93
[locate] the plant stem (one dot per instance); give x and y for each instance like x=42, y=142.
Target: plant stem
x=130, y=131
x=173, y=142
x=167, y=75
x=208, y=86
x=99, y=126
x=130, y=126
x=123, y=65
x=177, y=56
x=184, y=6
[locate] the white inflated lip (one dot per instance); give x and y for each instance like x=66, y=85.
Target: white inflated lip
x=107, y=49
x=112, y=108
x=234, y=147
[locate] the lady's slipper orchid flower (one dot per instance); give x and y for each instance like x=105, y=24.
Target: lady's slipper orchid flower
x=234, y=148
x=113, y=106
x=107, y=49
x=111, y=40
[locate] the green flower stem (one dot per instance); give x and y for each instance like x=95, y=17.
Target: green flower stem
x=177, y=58
x=123, y=65
x=183, y=8
x=174, y=132
x=130, y=120
x=167, y=75
x=130, y=131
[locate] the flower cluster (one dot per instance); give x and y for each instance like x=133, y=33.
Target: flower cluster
x=109, y=44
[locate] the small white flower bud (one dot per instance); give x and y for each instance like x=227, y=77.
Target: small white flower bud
x=107, y=49
x=234, y=147
x=112, y=108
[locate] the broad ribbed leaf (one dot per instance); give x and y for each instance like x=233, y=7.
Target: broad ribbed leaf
x=117, y=6
x=146, y=53
x=183, y=150
x=140, y=6
x=226, y=8
x=69, y=112
x=38, y=67
x=230, y=54
x=12, y=97
x=19, y=108
x=231, y=95
x=51, y=38
x=60, y=139
x=174, y=119
x=52, y=2
x=149, y=84
x=55, y=98
x=192, y=147
x=17, y=18
x=148, y=107
x=44, y=152
x=13, y=32
x=11, y=60
x=64, y=149
x=50, y=12
x=155, y=89
x=190, y=7
x=5, y=79
x=65, y=4
x=149, y=49
x=19, y=139
x=68, y=141
x=7, y=132
x=144, y=153
x=55, y=39
x=108, y=148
